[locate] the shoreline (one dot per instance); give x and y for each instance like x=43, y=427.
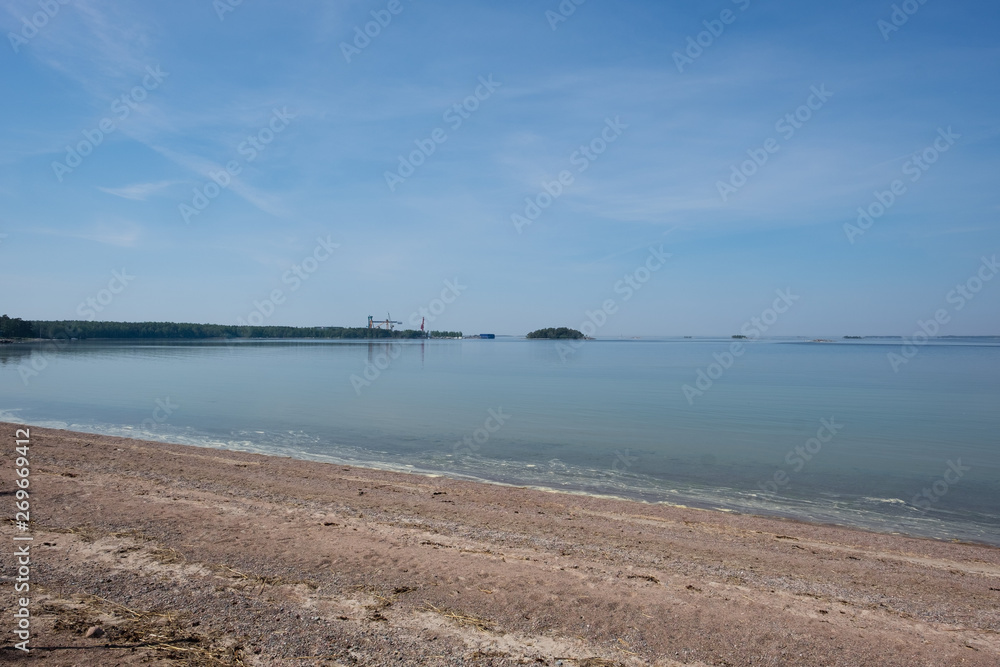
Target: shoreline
x=875, y=523
x=243, y=558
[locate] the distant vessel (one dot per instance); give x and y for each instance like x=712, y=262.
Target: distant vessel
x=487, y=336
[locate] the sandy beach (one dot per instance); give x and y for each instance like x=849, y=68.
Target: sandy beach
x=184, y=555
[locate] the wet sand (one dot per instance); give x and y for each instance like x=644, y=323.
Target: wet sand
x=185, y=555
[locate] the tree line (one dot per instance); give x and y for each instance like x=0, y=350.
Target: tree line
x=15, y=327
x=18, y=328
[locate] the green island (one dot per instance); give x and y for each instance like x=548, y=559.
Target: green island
x=15, y=328
x=561, y=333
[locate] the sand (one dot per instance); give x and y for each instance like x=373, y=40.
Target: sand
x=186, y=555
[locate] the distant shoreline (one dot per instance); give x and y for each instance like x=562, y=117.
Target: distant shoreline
x=383, y=337
x=81, y=329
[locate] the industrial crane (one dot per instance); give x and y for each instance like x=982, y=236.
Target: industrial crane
x=388, y=323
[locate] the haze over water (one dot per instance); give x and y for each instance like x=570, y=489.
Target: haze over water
x=609, y=417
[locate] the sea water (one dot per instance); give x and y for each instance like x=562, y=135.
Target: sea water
x=823, y=431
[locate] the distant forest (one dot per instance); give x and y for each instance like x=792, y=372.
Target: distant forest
x=15, y=328
x=18, y=328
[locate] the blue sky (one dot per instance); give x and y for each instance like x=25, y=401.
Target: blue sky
x=889, y=94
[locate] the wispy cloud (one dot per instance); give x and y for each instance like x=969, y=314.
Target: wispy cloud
x=123, y=234
x=138, y=191
x=325, y=174
x=114, y=40
x=260, y=200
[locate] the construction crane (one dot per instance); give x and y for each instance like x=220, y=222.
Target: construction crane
x=388, y=323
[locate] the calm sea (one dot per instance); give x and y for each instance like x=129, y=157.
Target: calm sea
x=828, y=432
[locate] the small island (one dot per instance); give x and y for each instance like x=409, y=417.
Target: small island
x=562, y=333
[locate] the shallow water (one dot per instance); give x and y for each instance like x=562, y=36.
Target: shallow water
x=604, y=417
